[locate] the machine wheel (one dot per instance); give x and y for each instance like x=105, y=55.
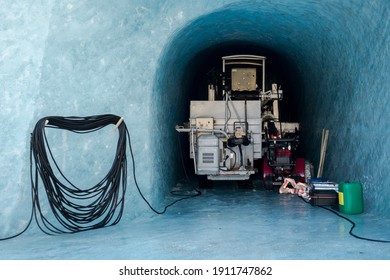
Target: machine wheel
x=268, y=182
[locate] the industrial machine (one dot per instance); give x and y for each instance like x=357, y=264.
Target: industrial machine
x=238, y=127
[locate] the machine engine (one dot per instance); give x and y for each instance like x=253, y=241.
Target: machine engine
x=239, y=126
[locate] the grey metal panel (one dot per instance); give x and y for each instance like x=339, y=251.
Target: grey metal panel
x=208, y=161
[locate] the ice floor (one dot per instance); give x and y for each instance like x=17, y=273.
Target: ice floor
x=225, y=222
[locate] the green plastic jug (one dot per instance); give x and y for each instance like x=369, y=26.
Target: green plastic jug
x=351, y=197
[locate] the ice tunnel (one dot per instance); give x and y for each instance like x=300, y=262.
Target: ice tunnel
x=325, y=56
x=145, y=61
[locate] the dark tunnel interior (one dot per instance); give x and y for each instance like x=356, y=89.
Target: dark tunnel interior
x=278, y=70
x=308, y=53
x=207, y=64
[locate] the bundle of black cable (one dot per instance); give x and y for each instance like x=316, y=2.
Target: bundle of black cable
x=77, y=209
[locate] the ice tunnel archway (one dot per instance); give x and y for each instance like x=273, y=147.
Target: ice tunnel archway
x=328, y=48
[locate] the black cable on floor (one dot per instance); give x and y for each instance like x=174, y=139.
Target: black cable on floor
x=20, y=233
x=31, y=215
x=353, y=226
x=139, y=190
x=352, y=223
x=197, y=191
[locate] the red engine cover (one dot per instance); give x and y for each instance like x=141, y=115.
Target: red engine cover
x=299, y=168
x=283, y=153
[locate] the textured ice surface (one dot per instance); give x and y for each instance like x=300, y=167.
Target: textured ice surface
x=23, y=31
x=137, y=59
x=222, y=224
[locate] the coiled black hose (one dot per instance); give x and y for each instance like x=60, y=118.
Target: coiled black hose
x=77, y=209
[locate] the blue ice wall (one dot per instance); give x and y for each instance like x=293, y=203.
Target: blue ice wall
x=136, y=59
x=24, y=27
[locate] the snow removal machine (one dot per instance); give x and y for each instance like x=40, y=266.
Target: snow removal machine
x=236, y=134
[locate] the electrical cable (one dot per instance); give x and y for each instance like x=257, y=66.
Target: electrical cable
x=198, y=192
x=353, y=226
x=280, y=122
x=235, y=157
x=229, y=114
x=182, y=159
x=352, y=223
x=21, y=232
x=30, y=219
x=78, y=209
x=101, y=205
x=140, y=192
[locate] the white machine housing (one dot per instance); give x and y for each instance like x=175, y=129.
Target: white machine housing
x=210, y=133
x=226, y=135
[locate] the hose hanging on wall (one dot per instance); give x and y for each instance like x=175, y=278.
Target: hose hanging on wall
x=77, y=209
